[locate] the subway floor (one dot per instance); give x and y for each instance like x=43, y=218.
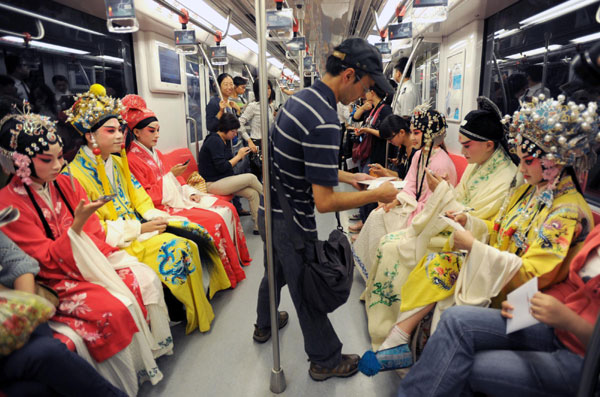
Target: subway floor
x=227, y=362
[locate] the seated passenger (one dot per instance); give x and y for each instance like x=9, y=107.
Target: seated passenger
x=396, y=131
x=130, y=220
x=146, y=163
x=482, y=189
x=44, y=365
x=216, y=166
x=470, y=351
x=104, y=294
x=538, y=230
x=427, y=132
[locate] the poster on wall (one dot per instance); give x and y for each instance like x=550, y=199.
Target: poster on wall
x=456, y=82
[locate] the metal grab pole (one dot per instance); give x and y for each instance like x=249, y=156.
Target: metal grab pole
x=212, y=71
x=277, y=382
x=301, y=54
x=397, y=94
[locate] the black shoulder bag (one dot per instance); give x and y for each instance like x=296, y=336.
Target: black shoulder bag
x=328, y=276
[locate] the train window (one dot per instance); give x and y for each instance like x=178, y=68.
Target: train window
x=528, y=48
x=72, y=54
x=194, y=99
x=427, y=72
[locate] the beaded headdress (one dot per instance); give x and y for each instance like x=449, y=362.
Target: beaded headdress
x=431, y=122
x=92, y=107
x=23, y=135
x=558, y=133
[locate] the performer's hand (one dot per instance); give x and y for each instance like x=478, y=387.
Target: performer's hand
x=377, y=170
x=460, y=218
x=157, y=224
x=195, y=198
x=434, y=180
x=391, y=205
x=463, y=240
x=179, y=169
x=82, y=213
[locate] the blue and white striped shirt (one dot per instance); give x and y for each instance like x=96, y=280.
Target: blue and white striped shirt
x=306, y=140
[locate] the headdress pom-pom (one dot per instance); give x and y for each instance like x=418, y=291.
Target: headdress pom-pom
x=98, y=90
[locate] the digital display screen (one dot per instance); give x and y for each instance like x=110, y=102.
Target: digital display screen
x=296, y=44
x=119, y=9
x=430, y=3
x=168, y=61
x=308, y=61
x=185, y=37
x=218, y=52
x=400, y=31
x=280, y=19
x=384, y=47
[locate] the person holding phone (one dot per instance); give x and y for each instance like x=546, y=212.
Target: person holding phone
x=148, y=165
x=56, y=224
x=217, y=163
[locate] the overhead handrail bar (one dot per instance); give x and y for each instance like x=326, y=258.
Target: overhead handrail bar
x=48, y=19
x=277, y=379
x=249, y=74
x=228, y=25
x=397, y=93
x=174, y=10
x=40, y=29
x=212, y=71
x=375, y=18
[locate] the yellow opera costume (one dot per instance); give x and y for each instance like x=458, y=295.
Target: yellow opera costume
x=176, y=260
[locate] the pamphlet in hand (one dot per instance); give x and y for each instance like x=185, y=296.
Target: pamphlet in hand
x=375, y=183
x=519, y=299
x=455, y=225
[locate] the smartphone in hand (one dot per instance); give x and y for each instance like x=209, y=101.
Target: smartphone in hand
x=185, y=162
x=107, y=197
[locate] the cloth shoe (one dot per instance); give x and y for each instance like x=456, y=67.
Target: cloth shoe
x=261, y=335
x=354, y=217
x=347, y=367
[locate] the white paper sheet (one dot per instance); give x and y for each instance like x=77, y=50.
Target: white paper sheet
x=519, y=299
x=351, y=163
x=375, y=183
x=455, y=225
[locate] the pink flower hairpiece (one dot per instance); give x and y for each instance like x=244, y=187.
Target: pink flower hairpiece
x=23, y=171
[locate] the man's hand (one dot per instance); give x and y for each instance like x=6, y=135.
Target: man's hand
x=386, y=192
x=463, y=240
x=359, y=177
x=377, y=170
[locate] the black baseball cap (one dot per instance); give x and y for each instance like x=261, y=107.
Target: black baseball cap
x=357, y=53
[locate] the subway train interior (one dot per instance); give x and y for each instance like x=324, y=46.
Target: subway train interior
x=476, y=94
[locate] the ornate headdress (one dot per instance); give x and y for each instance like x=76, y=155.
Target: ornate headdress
x=135, y=111
x=431, y=122
x=93, y=107
x=23, y=135
x=559, y=134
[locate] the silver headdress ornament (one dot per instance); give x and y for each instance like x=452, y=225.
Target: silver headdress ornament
x=40, y=132
x=565, y=134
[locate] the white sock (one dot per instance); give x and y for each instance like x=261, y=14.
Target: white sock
x=395, y=338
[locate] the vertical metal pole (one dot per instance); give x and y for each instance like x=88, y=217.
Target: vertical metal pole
x=547, y=37
x=397, y=94
x=301, y=55
x=277, y=383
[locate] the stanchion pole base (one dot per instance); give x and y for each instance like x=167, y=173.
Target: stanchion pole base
x=277, y=381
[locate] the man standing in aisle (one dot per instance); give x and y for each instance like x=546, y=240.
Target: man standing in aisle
x=408, y=97
x=305, y=141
